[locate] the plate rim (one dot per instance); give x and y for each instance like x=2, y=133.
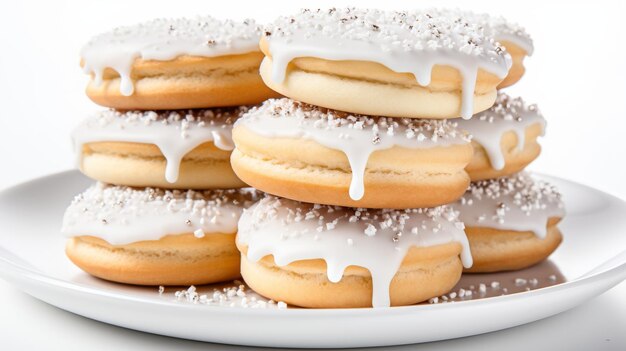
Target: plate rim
x=20, y=271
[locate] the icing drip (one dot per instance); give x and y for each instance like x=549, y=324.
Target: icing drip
x=408, y=41
x=376, y=240
x=357, y=136
x=506, y=115
x=163, y=40
x=517, y=203
x=175, y=133
x=122, y=215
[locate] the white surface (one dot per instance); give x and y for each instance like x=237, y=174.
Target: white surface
x=576, y=76
x=590, y=265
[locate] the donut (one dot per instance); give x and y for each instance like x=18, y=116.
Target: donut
x=504, y=138
x=512, y=36
x=311, y=154
x=322, y=256
x=178, y=149
x=150, y=236
x=420, y=64
x=510, y=222
x=176, y=64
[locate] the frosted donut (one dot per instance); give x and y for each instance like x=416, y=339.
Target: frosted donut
x=512, y=36
x=155, y=237
x=176, y=64
x=421, y=64
x=518, y=54
x=510, y=222
x=184, y=149
x=310, y=154
x=504, y=138
x=322, y=256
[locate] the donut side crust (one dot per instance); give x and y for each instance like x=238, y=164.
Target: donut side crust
x=514, y=160
x=143, y=165
x=172, y=260
x=373, y=89
x=497, y=250
x=186, y=82
x=517, y=69
x=306, y=171
x=425, y=273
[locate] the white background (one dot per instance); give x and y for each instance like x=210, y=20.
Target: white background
x=577, y=76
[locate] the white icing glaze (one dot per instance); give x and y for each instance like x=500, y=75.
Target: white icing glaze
x=518, y=39
x=408, y=41
x=376, y=240
x=357, y=136
x=165, y=39
x=506, y=115
x=121, y=215
x=518, y=203
x=175, y=133
x=502, y=30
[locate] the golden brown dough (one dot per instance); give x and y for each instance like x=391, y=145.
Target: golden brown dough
x=515, y=160
x=425, y=273
x=143, y=165
x=496, y=250
x=373, y=89
x=172, y=260
x=186, y=82
x=517, y=69
x=395, y=178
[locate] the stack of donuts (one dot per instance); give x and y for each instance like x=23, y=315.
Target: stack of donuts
x=166, y=205
x=391, y=165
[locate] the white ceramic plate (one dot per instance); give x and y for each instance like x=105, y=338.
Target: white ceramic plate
x=591, y=260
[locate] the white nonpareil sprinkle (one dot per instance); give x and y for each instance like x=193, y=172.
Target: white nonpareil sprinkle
x=507, y=108
x=372, y=220
x=235, y=295
x=417, y=30
x=201, y=30
x=431, y=130
x=183, y=120
x=124, y=206
x=495, y=288
x=520, y=281
x=528, y=195
x=370, y=230
x=497, y=26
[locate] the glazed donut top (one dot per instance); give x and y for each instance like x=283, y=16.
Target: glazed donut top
x=502, y=30
x=122, y=215
x=518, y=203
x=376, y=240
x=357, y=136
x=403, y=41
x=506, y=115
x=164, y=39
x=175, y=133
